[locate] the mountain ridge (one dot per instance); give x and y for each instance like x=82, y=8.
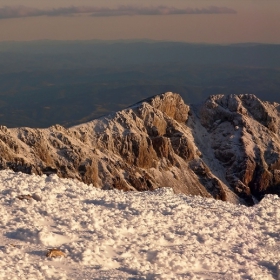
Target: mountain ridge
x=226, y=148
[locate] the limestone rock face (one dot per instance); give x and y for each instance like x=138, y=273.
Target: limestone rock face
x=227, y=148
x=243, y=132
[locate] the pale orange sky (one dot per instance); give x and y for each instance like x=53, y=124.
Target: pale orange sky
x=254, y=20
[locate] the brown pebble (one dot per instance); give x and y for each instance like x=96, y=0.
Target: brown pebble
x=34, y=196
x=54, y=253
x=25, y=196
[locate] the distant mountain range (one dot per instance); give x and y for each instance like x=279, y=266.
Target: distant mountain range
x=227, y=147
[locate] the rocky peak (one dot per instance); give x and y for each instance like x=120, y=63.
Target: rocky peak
x=227, y=148
x=244, y=134
x=172, y=105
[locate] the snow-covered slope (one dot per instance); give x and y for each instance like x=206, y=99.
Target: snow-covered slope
x=227, y=148
x=131, y=235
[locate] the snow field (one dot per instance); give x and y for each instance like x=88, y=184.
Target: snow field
x=117, y=235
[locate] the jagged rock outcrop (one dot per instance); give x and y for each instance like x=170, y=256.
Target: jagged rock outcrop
x=227, y=148
x=243, y=132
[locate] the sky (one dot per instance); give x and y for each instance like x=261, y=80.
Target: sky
x=194, y=21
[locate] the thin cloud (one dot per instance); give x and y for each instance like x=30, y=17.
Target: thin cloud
x=160, y=10
x=23, y=11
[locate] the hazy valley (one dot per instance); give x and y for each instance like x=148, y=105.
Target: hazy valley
x=48, y=82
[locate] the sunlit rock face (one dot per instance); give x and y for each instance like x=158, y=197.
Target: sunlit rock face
x=228, y=148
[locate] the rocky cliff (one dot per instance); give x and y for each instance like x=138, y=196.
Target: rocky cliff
x=227, y=148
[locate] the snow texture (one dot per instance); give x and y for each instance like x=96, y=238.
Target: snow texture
x=117, y=235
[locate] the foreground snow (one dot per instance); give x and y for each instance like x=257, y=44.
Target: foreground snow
x=116, y=235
